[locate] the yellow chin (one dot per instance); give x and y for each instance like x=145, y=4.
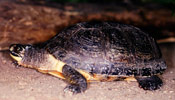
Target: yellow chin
x=18, y=59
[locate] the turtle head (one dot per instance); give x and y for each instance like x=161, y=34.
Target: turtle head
x=32, y=57
x=17, y=51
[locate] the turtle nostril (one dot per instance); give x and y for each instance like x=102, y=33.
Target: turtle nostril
x=11, y=48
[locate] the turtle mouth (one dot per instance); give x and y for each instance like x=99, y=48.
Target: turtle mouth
x=14, y=54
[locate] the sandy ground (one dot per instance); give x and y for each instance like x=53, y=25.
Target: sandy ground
x=18, y=83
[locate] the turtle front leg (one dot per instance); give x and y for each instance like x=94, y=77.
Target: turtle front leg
x=77, y=82
x=149, y=83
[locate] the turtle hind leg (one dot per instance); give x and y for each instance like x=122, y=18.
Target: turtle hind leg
x=77, y=82
x=149, y=83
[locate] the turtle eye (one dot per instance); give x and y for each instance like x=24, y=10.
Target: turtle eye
x=17, y=50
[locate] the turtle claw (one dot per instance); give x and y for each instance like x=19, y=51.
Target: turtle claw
x=74, y=89
x=16, y=64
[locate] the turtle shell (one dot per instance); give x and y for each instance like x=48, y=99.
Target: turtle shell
x=107, y=48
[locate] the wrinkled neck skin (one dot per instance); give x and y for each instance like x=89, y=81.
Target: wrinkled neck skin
x=38, y=59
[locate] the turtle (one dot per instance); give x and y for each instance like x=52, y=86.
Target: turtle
x=96, y=51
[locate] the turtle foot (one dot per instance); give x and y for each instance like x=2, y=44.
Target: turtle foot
x=16, y=64
x=74, y=89
x=150, y=83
